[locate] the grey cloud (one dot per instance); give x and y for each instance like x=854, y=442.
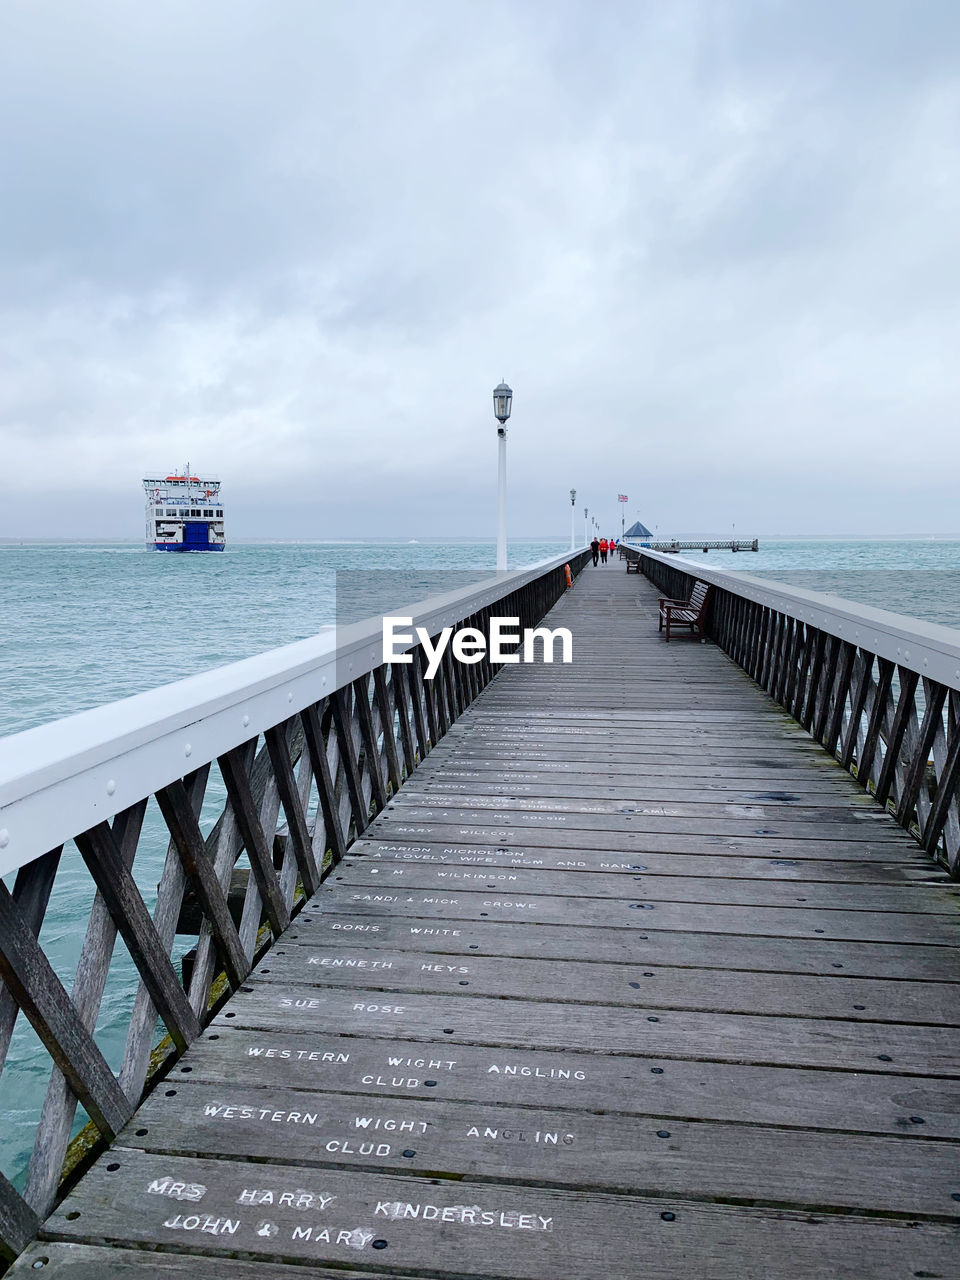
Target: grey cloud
x=710, y=244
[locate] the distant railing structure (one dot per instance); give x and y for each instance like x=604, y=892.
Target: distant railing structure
x=880, y=691
x=704, y=544
x=306, y=742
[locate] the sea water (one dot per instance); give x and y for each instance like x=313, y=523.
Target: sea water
x=84, y=624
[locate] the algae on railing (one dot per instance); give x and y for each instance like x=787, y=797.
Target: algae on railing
x=305, y=743
x=880, y=691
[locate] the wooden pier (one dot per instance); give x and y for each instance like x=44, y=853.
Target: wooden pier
x=628, y=979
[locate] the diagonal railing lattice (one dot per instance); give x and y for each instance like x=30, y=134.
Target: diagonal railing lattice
x=299, y=749
x=881, y=692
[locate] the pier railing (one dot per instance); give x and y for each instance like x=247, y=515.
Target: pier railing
x=880, y=691
x=295, y=751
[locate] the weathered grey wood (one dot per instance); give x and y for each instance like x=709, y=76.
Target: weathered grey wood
x=419, y=704
x=905, y=706
x=396, y=1069
x=31, y=892
x=386, y=714
x=252, y=912
x=325, y=786
x=143, y=1018
x=341, y=705
x=181, y=820
x=545, y=1232
x=865, y=770
x=254, y=838
x=719, y=862
x=38, y=991
x=628, y=984
x=60, y=1102
x=946, y=797
x=110, y=873
x=940, y=898
x=398, y=687
x=93, y=1262
x=411, y=814
x=605, y=942
x=646, y=912
x=886, y=842
x=371, y=752
x=565, y=1149
x=276, y=740
x=647, y=1031
x=710, y=811
x=18, y=1223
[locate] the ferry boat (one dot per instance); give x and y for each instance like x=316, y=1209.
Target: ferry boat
x=184, y=513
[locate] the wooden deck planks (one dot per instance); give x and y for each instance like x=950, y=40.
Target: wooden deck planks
x=630, y=979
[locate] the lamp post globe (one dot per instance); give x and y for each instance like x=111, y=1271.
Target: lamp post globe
x=573, y=519
x=502, y=405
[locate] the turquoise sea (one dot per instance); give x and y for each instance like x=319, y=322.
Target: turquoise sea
x=87, y=623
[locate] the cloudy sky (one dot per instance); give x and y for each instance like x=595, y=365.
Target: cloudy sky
x=713, y=247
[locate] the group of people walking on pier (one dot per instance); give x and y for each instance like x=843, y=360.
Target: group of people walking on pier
x=601, y=548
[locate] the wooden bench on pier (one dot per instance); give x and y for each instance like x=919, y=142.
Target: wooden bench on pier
x=686, y=613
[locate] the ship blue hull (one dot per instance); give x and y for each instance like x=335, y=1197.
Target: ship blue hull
x=179, y=546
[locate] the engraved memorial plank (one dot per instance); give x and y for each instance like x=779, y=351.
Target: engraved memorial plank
x=653, y=946
x=886, y=842
x=851, y=1046
x=521, y=1233
x=628, y=984
x=720, y=863
x=799, y=922
x=856, y=1102
x=909, y=1176
x=941, y=899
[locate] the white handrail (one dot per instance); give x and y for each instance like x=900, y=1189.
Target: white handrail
x=64, y=777
x=928, y=648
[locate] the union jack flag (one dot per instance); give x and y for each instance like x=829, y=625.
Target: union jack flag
x=622, y=497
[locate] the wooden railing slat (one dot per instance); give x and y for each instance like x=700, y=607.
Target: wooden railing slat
x=401, y=701
x=901, y=719
x=388, y=713
x=183, y=826
x=18, y=1223
x=31, y=892
x=254, y=838
x=41, y=996
x=881, y=693
x=100, y=851
x=340, y=704
x=326, y=791
x=60, y=1102
x=166, y=912
x=946, y=796
x=858, y=701
x=845, y=670
x=371, y=751
x=290, y=799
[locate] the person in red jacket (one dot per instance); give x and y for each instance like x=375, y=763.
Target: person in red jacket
x=604, y=548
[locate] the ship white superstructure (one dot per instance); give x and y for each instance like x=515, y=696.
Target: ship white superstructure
x=184, y=513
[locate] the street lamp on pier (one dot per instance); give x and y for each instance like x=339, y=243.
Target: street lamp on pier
x=573, y=519
x=586, y=527
x=502, y=404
